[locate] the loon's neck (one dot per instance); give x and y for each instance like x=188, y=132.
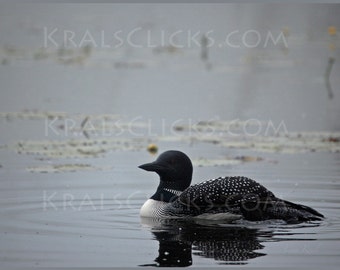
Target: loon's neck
x=167, y=191
x=155, y=207
x=166, y=194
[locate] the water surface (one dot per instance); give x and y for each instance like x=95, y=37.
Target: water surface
x=76, y=123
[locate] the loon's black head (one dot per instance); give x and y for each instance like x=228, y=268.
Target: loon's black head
x=174, y=169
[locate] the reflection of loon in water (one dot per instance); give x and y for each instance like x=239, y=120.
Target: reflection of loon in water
x=233, y=244
x=179, y=239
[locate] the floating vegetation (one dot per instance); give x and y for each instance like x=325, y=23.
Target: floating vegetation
x=92, y=136
x=249, y=158
x=289, y=143
x=65, y=56
x=78, y=148
x=37, y=114
x=218, y=126
x=331, y=139
x=166, y=49
x=82, y=56
x=63, y=124
x=65, y=168
x=284, y=143
x=258, y=136
x=205, y=162
x=33, y=114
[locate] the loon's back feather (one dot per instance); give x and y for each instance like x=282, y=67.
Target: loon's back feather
x=227, y=194
x=232, y=189
x=237, y=195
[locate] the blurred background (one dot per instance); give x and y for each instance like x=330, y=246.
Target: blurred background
x=275, y=62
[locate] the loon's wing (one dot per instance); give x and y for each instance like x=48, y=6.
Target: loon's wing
x=219, y=195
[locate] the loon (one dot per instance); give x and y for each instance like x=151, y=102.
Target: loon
x=226, y=198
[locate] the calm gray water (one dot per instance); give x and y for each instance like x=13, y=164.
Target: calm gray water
x=86, y=89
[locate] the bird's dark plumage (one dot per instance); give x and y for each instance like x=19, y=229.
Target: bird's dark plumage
x=222, y=198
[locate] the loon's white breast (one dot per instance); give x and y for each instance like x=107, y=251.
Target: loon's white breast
x=152, y=208
x=155, y=209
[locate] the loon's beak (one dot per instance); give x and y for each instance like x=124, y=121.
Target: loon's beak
x=156, y=167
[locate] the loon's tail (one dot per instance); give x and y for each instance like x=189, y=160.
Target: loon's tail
x=279, y=209
x=299, y=212
x=292, y=212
